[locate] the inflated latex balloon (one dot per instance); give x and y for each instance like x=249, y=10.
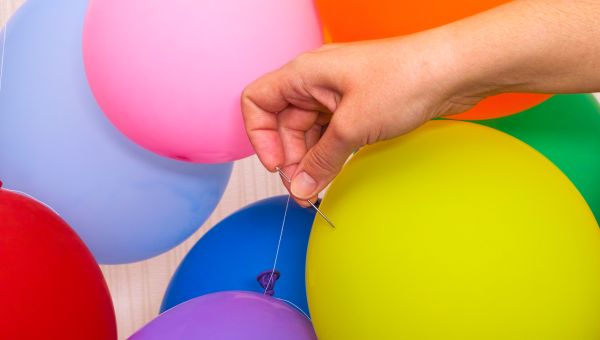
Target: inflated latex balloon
x=455, y=231
x=169, y=74
x=237, y=250
x=229, y=315
x=50, y=285
x=126, y=203
x=352, y=20
x=565, y=129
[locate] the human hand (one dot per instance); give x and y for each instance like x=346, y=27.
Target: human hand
x=310, y=115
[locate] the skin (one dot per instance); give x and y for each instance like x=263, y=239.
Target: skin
x=310, y=115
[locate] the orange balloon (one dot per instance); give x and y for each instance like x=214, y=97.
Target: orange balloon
x=502, y=105
x=351, y=20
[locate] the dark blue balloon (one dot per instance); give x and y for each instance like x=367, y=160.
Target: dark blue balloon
x=235, y=251
x=126, y=203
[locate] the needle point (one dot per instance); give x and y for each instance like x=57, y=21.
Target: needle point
x=278, y=169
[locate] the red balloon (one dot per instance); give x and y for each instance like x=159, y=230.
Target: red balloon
x=50, y=285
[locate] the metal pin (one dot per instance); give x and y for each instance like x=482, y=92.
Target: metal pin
x=311, y=203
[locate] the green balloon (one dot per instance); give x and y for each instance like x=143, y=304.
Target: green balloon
x=565, y=129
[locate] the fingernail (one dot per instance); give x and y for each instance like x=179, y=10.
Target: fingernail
x=303, y=185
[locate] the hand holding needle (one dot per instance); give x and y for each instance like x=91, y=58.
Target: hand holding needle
x=309, y=201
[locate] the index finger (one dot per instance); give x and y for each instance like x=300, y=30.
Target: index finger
x=261, y=102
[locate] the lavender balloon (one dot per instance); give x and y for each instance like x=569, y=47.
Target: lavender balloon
x=231, y=315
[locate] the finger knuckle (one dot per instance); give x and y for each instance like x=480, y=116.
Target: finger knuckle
x=301, y=61
x=247, y=93
x=342, y=134
x=320, y=160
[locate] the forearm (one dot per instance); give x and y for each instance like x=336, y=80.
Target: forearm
x=546, y=46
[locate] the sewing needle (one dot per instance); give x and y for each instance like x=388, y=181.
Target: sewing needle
x=311, y=203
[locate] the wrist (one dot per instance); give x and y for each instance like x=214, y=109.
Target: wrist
x=455, y=78
x=499, y=51
x=475, y=69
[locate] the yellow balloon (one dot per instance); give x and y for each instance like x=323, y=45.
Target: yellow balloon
x=454, y=232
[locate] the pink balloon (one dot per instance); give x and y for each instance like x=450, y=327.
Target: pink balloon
x=169, y=73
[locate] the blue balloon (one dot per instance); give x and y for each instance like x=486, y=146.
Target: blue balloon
x=126, y=203
x=242, y=246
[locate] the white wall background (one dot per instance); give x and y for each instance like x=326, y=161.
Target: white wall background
x=137, y=288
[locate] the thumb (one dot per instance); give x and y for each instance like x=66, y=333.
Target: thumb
x=324, y=160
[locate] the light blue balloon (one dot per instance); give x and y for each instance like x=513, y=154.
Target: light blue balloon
x=55, y=144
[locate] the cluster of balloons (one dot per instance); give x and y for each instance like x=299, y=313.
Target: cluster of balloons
x=214, y=293
x=173, y=87
x=485, y=239
x=237, y=249
x=460, y=230
x=473, y=234
x=469, y=231
x=126, y=203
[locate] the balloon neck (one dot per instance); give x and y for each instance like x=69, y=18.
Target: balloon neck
x=267, y=280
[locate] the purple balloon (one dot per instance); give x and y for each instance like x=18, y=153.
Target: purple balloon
x=231, y=315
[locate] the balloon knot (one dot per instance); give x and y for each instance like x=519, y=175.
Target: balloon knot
x=267, y=280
